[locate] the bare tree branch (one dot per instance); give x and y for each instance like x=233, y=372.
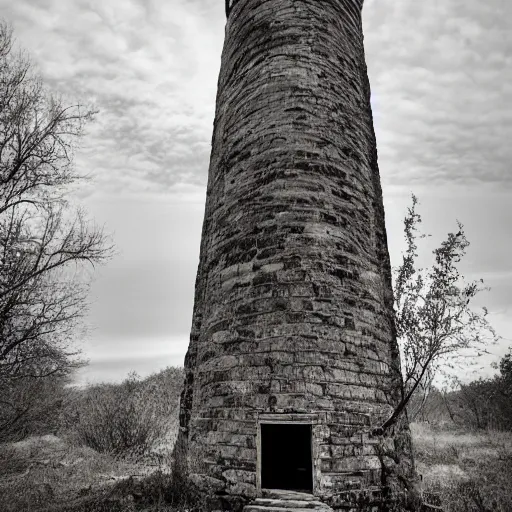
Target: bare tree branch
x=45, y=245
x=435, y=322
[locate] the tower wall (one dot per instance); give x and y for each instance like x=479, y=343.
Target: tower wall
x=293, y=316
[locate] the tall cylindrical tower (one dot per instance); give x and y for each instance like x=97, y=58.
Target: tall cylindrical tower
x=293, y=355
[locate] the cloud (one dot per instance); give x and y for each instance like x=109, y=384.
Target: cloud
x=142, y=355
x=148, y=288
x=149, y=298
x=440, y=73
x=150, y=69
x=441, y=79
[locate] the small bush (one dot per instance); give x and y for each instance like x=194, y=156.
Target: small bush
x=30, y=406
x=127, y=418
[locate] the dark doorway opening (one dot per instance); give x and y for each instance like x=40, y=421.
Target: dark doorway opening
x=286, y=457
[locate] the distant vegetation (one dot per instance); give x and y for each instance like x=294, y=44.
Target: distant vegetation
x=479, y=405
x=109, y=447
x=78, y=443
x=134, y=417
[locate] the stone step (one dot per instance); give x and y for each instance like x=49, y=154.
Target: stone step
x=311, y=504
x=264, y=508
x=278, y=500
x=286, y=494
x=282, y=494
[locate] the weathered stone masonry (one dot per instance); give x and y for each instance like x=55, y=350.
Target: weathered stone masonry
x=293, y=315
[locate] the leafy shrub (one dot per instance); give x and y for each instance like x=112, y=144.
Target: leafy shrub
x=30, y=406
x=127, y=418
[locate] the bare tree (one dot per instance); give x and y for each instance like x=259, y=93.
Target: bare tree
x=436, y=325
x=44, y=242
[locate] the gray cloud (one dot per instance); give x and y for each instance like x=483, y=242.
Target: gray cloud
x=440, y=74
x=441, y=79
x=149, y=298
x=149, y=67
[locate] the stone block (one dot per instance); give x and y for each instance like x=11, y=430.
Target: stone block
x=207, y=483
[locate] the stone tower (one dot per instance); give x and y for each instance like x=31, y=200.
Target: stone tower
x=293, y=357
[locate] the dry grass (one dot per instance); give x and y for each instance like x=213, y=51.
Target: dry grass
x=49, y=474
x=42, y=471
x=471, y=471
x=77, y=469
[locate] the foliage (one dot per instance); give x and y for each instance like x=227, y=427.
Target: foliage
x=436, y=325
x=30, y=406
x=44, y=243
x=127, y=418
x=57, y=472
x=505, y=367
x=483, y=404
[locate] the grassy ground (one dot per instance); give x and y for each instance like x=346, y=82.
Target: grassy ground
x=41, y=471
x=471, y=471
x=51, y=474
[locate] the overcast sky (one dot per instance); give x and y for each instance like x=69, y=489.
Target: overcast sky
x=441, y=77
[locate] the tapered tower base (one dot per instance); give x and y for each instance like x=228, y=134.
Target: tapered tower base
x=293, y=358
